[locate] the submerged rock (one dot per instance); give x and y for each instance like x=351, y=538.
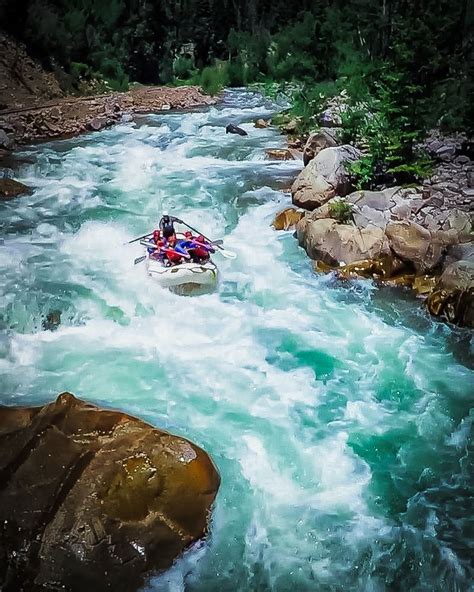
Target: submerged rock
x=9, y=188
x=52, y=320
x=278, y=154
x=233, y=129
x=262, y=123
x=91, y=499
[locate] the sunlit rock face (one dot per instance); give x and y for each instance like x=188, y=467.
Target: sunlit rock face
x=91, y=499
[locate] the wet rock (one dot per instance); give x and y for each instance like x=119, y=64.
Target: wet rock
x=287, y=219
x=316, y=142
x=9, y=189
x=278, y=154
x=52, y=320
x=233, y=129
x=424, y=284
x=324, y=177
x=379, y=269
x=454, y=306
x=262, y=123
x=91, y=499
x=5, y=142
x=341, y=244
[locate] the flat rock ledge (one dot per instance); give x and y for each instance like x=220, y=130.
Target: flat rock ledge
x=92, y=499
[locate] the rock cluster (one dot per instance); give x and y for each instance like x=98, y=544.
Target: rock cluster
x=407, y=236
x=91, y=499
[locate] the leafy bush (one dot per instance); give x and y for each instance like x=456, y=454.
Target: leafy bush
x=341, y=211
x=214, y=78
x=183, y=67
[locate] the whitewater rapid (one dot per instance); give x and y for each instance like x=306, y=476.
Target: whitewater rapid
x=339, y=415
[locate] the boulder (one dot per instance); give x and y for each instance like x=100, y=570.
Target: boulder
x=91, y=499
x=457, y=276
x=324, y=177
x=97, y=124
x=5, y=142
x=233, y=129
x=278, y=154
x=377, y=208
x=287, y=219
x=336, y=244
x=9, y=188
x=456, y=252
x=262, y=123
x=316, y=142
x=414, y=244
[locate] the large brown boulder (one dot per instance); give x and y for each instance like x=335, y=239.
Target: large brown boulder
x=325, y=176
x=416, y=245
x=90, y=499
x=9, y=188
x=336, y=244
x=316, y=142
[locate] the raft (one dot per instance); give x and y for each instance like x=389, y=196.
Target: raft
x=198, y=274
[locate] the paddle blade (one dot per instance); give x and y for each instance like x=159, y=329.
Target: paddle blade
x=139, y=259
x=227, y=254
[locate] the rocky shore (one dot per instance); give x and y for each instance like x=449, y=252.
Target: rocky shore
x=71, y=116
x=420, y=237
x=92, y=499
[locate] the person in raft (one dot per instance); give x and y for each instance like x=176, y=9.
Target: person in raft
x=197, y=246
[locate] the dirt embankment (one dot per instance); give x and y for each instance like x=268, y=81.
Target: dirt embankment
x=33, y=107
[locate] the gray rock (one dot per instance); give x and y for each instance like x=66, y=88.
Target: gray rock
x=6, y=142
x=324, y=177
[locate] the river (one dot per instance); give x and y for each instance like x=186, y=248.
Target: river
x=339, y=415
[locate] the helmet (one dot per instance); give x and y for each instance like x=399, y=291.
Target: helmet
x=188, y=234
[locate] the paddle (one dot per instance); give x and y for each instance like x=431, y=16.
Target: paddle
x=224, y=252
x=138, y=238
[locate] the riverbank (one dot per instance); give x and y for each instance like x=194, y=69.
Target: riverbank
x=71, y=116
x=418, y=236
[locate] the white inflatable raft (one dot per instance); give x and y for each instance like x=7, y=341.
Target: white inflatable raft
x=198, y=274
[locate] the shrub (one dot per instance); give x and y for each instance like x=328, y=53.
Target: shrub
x=214, y=78
x=341, y=211
x=183, y=67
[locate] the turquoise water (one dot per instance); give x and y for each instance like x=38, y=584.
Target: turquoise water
x=339, y=415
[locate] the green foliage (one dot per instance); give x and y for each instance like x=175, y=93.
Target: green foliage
x=214, y=78
x=183, y=67
x=341, y=211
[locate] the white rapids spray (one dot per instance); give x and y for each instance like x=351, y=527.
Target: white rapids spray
x=338, y=415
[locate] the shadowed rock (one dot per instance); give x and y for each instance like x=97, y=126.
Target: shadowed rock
x=91, y=499
x=9, y=188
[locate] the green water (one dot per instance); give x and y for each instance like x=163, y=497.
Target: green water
x=339, y=415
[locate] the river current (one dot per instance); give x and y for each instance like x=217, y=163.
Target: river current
x=339, y=415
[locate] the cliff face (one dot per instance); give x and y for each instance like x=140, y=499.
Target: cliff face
x=23, y=81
